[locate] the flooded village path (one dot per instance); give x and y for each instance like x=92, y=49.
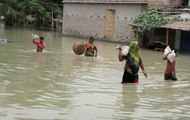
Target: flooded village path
x=59, y=85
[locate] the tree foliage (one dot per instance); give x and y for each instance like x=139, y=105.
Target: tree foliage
x=17, y=12
x=150, y=19
x=1, y=7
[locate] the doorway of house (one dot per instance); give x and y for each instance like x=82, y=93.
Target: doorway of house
x=109, y=23
x=185, y=42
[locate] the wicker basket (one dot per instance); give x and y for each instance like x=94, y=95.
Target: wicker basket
x=79, y=48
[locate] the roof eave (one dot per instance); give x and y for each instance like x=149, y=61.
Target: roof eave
x=103, y=2
x=185, y=26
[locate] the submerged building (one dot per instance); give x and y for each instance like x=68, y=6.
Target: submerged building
x=110, y=20
x=102, y=19
x=175, y=34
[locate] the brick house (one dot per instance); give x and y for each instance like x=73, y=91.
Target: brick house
x=175, y=34
x=165, y=3
x=109, y=20
x=102, y=19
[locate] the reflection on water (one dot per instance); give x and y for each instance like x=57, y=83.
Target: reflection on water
x=57, y=84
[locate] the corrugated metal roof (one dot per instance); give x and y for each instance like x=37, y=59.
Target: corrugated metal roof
x=174, y=25
x=107, y=1
x=178, y=26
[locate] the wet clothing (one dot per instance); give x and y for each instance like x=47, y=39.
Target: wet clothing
x=40, y=45
x=89, y=50
x=129, y=77
x=170, y=77
x=132, y=64
x=170, y=71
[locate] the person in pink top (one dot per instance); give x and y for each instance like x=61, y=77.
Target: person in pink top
x=40, y=44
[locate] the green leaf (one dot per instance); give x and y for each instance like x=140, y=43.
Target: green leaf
x=150, y=19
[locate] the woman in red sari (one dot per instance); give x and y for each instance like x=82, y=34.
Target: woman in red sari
x=91, y=49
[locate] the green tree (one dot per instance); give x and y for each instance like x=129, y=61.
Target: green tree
x=16, y=12
x=1, y=7
x=150, y=19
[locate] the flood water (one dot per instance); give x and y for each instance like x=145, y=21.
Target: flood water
x=59, y=85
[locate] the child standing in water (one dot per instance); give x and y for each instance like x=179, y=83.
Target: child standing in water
x=170, y=73
x=91, y=49
x=40, y=44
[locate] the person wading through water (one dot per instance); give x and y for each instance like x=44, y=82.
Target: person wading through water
x=91, y=49
x=170, y=73
x=133, y=61
x=40, y=44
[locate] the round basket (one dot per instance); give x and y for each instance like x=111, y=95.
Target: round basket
x=79, y=48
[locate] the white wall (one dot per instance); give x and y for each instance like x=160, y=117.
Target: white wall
x=88, y=19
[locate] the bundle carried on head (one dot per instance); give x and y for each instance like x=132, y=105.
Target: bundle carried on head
x=169, y=54
x=79, y=48
x=167, y=50
x=34, y=36
x=128, y=53
x=124, y=50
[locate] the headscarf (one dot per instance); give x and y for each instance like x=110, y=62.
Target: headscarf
x=133, y=50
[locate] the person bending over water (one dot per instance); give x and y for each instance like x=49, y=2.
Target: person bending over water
x=91, y=49
x=40, y=44
x=170, y=73
x=133, y=61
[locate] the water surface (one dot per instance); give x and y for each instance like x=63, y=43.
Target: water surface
x=59, y=85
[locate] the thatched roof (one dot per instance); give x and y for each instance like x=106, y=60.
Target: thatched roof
x=107, y=1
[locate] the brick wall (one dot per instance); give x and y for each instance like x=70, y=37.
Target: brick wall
x=84, y=20
x=105, y=1
x=164, y=3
